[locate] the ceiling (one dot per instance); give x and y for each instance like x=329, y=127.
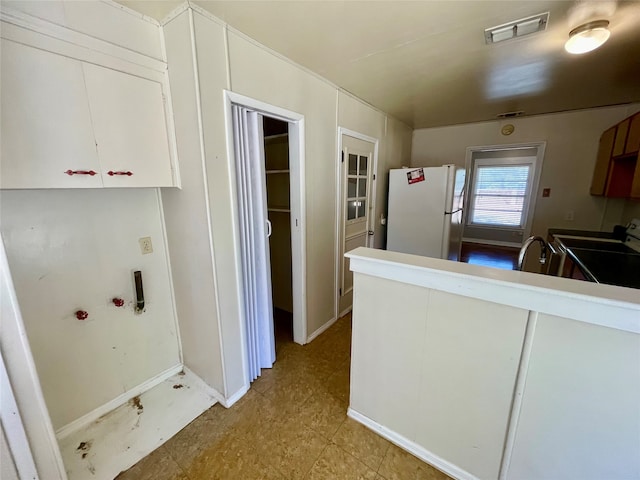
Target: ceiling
x=426, y=62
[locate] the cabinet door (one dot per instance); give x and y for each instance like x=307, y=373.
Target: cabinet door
x=46, y=125
x=602, y=162
x=621, y=138
x=635, y=184
x=130, y=127
x=633, y=139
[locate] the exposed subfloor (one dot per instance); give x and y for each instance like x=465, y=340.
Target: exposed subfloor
x=117, y=440
x=292, y=424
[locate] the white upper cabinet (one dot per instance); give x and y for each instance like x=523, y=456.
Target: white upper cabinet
x=45, y=120
x=77, y=112
x=130, y=128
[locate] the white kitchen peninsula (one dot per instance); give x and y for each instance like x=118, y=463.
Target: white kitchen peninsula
x=491, y=374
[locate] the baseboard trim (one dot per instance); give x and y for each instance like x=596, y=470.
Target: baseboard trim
x=228, y=402
x=121, y=399
x=412, y=447
x=320, y=330
x=495, y=243
x=345, y=311
x=204, y=385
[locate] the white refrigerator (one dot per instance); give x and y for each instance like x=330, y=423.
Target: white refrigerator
x=425, y=211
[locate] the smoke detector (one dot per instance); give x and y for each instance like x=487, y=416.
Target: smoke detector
x=516, y=28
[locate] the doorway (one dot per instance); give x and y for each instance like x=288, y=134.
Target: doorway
x=501, y=193
x=357, y=167
x=277, y=171
x=293, y=199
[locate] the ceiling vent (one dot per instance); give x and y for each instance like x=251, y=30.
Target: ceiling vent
x=518, y=113
x=517, y=28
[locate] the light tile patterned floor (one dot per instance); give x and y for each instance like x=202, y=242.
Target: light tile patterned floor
x=291, y=425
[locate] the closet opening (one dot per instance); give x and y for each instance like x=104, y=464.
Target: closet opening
x=266, y=155
x=277, y=172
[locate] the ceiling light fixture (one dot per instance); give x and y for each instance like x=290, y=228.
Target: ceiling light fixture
x=587, y=37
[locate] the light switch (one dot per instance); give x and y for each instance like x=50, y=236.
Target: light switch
x=546, y=192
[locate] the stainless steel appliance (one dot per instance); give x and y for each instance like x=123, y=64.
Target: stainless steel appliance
x=603, y=260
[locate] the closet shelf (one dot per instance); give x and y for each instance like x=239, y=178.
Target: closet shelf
x=278, y=135
x=276, y=171
x=279, y=209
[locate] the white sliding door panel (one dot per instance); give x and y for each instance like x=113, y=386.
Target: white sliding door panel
x=252, y=209
x=45, y=121
x=130, y=127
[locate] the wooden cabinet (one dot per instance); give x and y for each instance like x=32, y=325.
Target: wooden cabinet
x=617, y=170
x=69, y=123
x=633, y=138
x=602, y=161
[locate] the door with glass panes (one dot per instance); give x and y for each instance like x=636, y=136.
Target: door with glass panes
x=357, y=212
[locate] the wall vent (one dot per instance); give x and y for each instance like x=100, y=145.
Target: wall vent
x=517, y=28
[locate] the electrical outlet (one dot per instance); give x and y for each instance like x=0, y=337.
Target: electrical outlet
x=145, y=245
x=568, y=215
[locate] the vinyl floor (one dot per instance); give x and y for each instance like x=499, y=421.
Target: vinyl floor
x=291, y=425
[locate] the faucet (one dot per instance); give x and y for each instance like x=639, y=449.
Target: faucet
x=544, y=246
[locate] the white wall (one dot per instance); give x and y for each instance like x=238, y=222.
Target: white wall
x=631, y=211
x=186, y=212
x=77, y=249
x=70, y=250
x=207, y=198
x=572, y=143
x=257, y=73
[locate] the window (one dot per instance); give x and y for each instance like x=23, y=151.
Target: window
x=499, y=195
x=357, y=175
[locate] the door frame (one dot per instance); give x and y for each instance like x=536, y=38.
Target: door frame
x=535, y=183
x=339, y=238
x=297, y=192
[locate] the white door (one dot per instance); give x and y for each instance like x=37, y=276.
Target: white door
x=357, y=201
x=255, y=229
x=43, y=94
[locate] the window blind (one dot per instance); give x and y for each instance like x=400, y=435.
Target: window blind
x=499, y=194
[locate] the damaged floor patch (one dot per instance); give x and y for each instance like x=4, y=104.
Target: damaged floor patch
x=84, y=447
x=136, y=403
